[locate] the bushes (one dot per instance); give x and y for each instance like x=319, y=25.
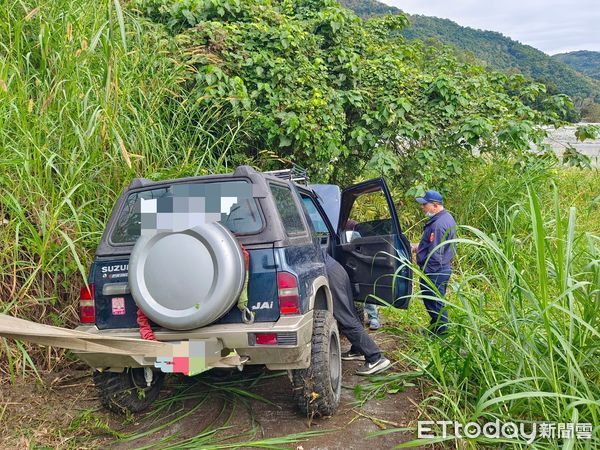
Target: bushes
x=321, y=88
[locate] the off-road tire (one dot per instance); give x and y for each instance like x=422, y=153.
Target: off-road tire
x=127, y=390
x=317, y=389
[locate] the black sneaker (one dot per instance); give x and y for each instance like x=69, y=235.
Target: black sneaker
x=373, y=368
x=352, y=356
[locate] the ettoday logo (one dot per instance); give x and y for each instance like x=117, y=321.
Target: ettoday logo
x=523, y=432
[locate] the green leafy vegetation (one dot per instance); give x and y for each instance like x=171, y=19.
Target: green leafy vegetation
x=524, y=337
x=370, y=8
x=95, y=94
x=315, y=85
x=587, y=63
x=498, y=52
x=583, y=61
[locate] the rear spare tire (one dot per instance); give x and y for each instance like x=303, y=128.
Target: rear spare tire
x=187, y=279
x=317, y=389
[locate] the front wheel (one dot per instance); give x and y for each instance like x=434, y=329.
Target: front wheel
x=128, y=390
x=317, y=388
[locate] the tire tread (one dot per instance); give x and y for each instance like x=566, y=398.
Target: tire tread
x=316, y=379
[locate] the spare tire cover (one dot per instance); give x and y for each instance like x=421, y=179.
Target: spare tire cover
x=186, y=279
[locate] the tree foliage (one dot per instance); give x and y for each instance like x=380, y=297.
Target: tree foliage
x=570, y=74
x=584, y=61
x=316, y=85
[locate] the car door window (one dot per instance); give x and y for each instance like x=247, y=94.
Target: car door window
x=369, y=216
x=322, y=235
x=372, y=248
x=315, y=217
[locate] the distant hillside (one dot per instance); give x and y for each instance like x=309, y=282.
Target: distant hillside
x=501, y=52
x=368, y=8
x=583, y=61
x=493, y=49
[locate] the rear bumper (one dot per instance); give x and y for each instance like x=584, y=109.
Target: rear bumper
x=221, y=340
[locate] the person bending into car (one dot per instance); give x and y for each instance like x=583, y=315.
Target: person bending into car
x=363, y=346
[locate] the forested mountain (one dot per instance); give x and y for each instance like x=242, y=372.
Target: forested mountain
x=500, y=52
x=369, y=8
x=583, y=61
x=495, y=51
x=94, y=94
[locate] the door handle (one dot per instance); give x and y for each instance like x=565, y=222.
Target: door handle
x=380, y=260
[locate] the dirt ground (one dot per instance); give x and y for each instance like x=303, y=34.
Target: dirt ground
x=64, y=412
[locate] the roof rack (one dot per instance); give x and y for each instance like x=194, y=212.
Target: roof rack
x=296, y=174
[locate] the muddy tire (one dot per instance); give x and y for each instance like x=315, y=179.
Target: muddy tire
x=317, y=389
x=128, y=390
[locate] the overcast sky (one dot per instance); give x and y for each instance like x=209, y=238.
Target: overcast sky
x=553, y=26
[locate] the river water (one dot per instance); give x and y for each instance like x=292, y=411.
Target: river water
x=560, y=138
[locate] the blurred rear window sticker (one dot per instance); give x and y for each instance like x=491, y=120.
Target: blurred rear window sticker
x=184, y=206
x=118, y=306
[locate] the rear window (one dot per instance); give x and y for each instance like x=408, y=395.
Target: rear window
x=182, y=206
x=284, y=200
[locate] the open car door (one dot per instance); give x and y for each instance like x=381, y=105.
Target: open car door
x=372, y=248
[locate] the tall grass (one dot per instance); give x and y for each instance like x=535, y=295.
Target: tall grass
x=524, y=344
x=90, y=97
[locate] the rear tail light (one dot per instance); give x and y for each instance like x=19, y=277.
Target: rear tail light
x=287, y=291
x=266, y=338
x=87, y=307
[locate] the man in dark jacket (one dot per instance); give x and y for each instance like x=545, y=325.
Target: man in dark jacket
x=434, y=261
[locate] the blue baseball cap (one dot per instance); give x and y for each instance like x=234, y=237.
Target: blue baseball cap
x=430, y=196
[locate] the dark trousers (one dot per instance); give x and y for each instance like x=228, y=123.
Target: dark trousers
x=435, y=307
x=345, y=313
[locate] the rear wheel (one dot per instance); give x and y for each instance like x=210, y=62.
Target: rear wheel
x=317, y=388
x=128, y=390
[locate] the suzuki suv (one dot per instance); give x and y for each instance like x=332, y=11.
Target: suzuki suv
x=173, y=255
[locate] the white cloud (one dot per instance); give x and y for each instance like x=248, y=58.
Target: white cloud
x=551, y=26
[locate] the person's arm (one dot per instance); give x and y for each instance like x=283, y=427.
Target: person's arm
x=440, y=236
x=438, y=255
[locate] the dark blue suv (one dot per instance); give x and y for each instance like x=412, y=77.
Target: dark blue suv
x=173, y=256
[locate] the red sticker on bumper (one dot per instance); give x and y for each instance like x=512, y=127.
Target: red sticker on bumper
x=118, y=306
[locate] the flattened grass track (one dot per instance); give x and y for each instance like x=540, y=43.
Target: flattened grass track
x=254, y=406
